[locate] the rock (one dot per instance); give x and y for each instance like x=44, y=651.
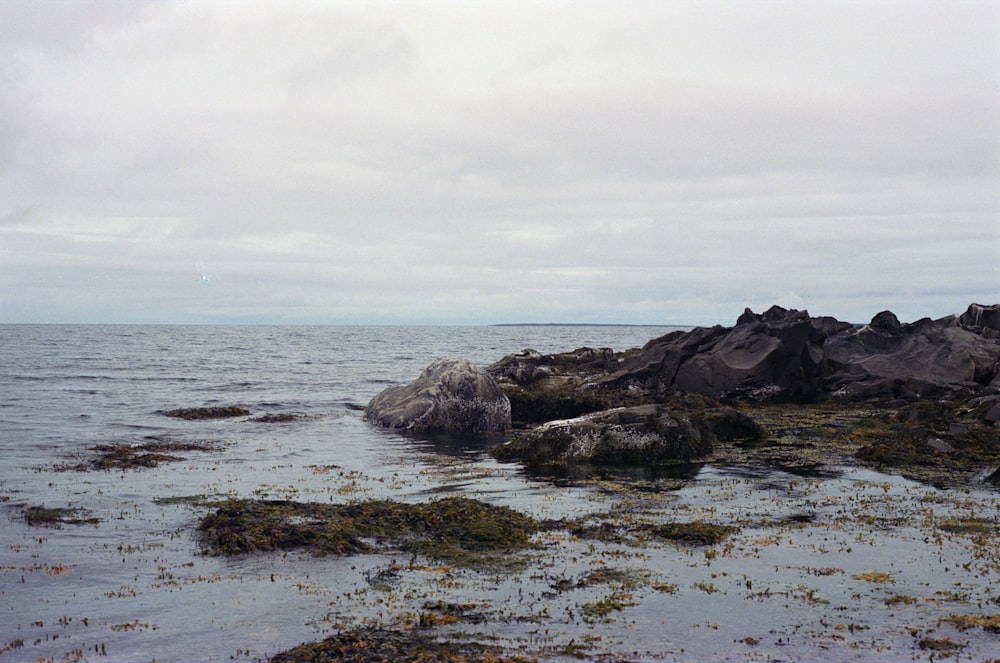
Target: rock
x=776, y=355
x=921, y=359
x=555, y=386
x=993, y=414
x=645, y=435
x=780, y=355
x=786, y=355
x=981, y=317
x=450, y=395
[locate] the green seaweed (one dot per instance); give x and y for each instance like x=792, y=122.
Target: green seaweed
x=458, y=530
x=380, y=645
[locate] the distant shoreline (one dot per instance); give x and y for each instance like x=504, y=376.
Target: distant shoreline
x=579, y=324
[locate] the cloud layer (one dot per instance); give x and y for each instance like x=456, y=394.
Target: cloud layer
x=485, y=162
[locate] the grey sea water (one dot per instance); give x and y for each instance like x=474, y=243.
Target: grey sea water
x=133, y=586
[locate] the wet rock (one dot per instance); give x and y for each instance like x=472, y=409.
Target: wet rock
x=645, y=435
x=557, y=386
x=450, y=395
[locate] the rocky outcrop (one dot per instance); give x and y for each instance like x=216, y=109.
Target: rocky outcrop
x=786, y=355
x=919, y=359
x=646, y=435
x=450, y=395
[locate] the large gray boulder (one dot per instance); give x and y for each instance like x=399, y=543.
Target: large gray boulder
x=450, y=395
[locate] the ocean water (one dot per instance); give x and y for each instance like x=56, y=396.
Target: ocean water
x=133, y=586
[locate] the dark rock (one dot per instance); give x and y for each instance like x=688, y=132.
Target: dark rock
x=982, y=317
x=993, y=414
x=451, y=395
x=777, y=355
x=921, y=359
x=645, y=435
x=885, y=322
x=786, y=355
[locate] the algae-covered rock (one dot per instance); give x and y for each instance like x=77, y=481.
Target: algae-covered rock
x=645, y=435
x=450, y=395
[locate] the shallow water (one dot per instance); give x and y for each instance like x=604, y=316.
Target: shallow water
x=845, y=566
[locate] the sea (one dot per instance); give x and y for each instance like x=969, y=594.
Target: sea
x=123, y=577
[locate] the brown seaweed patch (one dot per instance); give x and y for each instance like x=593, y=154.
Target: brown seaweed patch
x=127, y=456
x=279, y=418
x=217, y=412
x=41, y=516
x=458, y=530
x=938, y=439
x=695, y=533
x=989, y=623
x=377, y=645
x=939, y=644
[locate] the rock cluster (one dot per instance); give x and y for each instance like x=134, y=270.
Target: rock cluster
x=663, y=403
x=786, y=355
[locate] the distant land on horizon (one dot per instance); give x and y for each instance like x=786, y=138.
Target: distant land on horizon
x=583, y=324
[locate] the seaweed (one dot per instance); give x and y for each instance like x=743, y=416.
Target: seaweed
x=126, y=456
x=216, y=412
x=459, y=530
x=697, y=533
x=989, y=623
x=41, y=516
x=377, y=645
x=271, y=418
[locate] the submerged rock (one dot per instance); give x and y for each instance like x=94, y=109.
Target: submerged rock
x=450, y=395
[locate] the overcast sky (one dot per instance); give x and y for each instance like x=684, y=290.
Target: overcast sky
x=480, y=162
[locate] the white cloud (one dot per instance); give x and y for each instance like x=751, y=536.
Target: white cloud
x=477, y=162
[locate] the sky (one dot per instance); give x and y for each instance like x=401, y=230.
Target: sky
x=496, y=162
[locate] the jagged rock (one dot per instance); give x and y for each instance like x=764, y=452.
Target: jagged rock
x=923, y=358
x=982, y=317
x=450, y=395
x=776, y=355
x=645, y=435
x=783, y=355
